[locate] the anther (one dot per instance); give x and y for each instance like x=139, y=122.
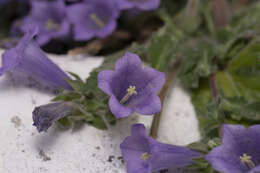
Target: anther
x=247, y=160
x=130, y=91
x=51, y=25
x=145, y=156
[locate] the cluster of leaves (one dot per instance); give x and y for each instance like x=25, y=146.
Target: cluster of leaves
x=224, y=82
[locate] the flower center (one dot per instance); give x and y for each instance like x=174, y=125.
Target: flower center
x=145, y=156
x=130, y=91
x=97, y=20
x=247, y=161
x=52, y=25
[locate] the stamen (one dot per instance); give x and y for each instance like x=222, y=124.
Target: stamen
x=97, y=20
x=130, y=91
x=52, y=25
x=247, y=160
x=145, y=156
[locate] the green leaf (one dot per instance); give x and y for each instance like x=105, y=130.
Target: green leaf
x=199, y=146
x=67, y=96
x=198, y=58
x=162, y=48
x=64, y=123
x=233, y=80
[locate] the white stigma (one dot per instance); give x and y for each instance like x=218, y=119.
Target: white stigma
x=145, y=156
x=97, y=20
x=247, y=160
x=130, y=91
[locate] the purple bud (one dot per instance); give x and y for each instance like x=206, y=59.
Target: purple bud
x=28, y=59
x=44, y=116
x=93, y=18
x=146, y=155
x=132, y=87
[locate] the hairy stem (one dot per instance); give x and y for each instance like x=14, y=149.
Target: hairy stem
x=213, y=86
x=157, y=117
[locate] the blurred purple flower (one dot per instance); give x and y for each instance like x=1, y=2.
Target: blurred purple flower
x=140, y=4
x=93, y=18
x=145, y=155
x=44, y=116
x=239, y=152
x=27, y=58
x=132, y=87
x=3, y=2
x=50, y=17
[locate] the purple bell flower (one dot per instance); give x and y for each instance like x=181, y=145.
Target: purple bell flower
x=49, y=17
x=140, y=4
x=93, y=18
x=239, y=152
x=44, y=116
x=143, y=154
x=28, y=59
x=132, y=87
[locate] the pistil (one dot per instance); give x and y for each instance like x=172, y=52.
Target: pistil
x=130, y=92
x=97, y=20
x=247, y=160
x=51, y=25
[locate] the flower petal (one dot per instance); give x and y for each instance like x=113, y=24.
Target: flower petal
x=239, y=140
x=117, y=109
x=149, y=106
x=27, y=58
x=236, y=141
x=8, y=63
x=133, y=147
x=54, y=15
x=148, y=84
x=104, y=81
x=155, y=82
x=224, y=160
x=165, y=156
x=143, y=5
x=130, y=61
x=255, y=170
x=93, y=19
x=149, y=5
x=138, y=130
